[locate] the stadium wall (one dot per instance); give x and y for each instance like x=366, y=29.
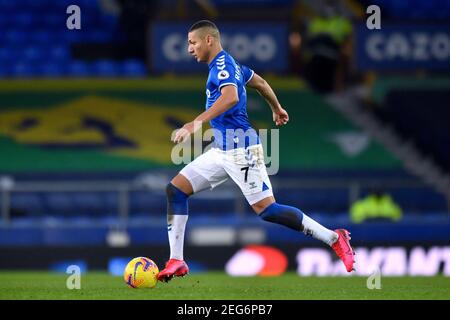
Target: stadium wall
x=250, y=260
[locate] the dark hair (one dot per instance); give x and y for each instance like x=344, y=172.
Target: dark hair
x=202, y=24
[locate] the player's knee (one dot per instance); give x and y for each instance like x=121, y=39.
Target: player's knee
x=259, y=208
x=263, y=205
x=174, y=194
x=176, y=201
x=269, y=213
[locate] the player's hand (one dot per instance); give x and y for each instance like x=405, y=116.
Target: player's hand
x=183, y=134
x=280, y=117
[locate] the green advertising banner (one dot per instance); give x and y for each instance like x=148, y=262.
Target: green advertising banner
x=70, y=126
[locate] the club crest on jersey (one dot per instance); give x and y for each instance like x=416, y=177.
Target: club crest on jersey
x=208, y=94
x=223, y=75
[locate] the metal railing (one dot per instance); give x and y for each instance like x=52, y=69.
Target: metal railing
x=227, y=191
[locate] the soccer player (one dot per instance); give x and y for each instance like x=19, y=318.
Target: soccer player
x=237, y=153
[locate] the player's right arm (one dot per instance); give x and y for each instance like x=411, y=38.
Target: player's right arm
x=280, y=116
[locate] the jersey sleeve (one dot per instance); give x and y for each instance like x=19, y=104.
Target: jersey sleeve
x=248, y=73
x=224, y=75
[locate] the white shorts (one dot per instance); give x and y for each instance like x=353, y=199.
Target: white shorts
x=245, y=166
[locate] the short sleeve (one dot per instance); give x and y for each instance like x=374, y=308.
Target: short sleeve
x=248, y=73
x=225, y=75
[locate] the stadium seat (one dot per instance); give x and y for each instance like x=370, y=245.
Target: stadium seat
x=328, y=199
x=7, y=55
x=26, y=20
x=53, y=21
x=88, y=202
x=106, y=68
x=22, y=69
x=79, y=69
x=28, y=203
x=415, y=9
x=142, y=201
x=16, y=38
x=134, y=68
x=43, y=51
x=42, y=37
x=52, y=69
x=58, y=203
x=59, y=53
x=34, y=54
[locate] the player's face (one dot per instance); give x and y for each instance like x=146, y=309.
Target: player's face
x=198, y=46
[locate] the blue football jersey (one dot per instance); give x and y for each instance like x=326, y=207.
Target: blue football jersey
x=232, y=128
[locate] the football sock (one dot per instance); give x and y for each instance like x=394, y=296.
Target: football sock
x=316, y=230
x=176, y=225
x=295, y=219
x=177, y=216
x=285, y=215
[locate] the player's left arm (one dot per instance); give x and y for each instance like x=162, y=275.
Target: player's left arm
x=280, y=116
x=228, y=98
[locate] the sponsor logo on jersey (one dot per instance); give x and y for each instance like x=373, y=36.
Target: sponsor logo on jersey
x=223, y=75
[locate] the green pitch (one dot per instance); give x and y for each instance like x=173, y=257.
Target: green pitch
x=217, y=285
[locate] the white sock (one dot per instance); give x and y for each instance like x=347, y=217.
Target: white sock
x=311, y=227
x=176, y=224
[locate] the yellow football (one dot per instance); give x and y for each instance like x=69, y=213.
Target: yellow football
x=141, y=272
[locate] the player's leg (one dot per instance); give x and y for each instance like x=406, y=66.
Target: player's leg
x=269, y=210
x=255, y=184
x=199, y=175
x=177, y=193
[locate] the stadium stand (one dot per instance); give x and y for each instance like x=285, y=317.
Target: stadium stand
x=78, y=136
x=48, y=50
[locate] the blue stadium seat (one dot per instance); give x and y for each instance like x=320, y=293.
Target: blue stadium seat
x=30, y=203
x=6, y=21
x=109, y=22
x=327, y=199
x=59, y=203
x=79, y=69
x=134, y=68
x=21, y=69
x=81, y=3
x=33, y=54
x=26, y=20
x=16, y=37
x=111, y=201
x=106, y=68
x=52, y=69
x=5, y=72
x=143, y=201
x=98, y=36
x=42, y=6
x=88, y=202
x=54, y=21
x=7, y=6
x=42, y=37
x=35, y=42
x=59, y=53
x=72, y=36
x=415, y=9
x=7, y=55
